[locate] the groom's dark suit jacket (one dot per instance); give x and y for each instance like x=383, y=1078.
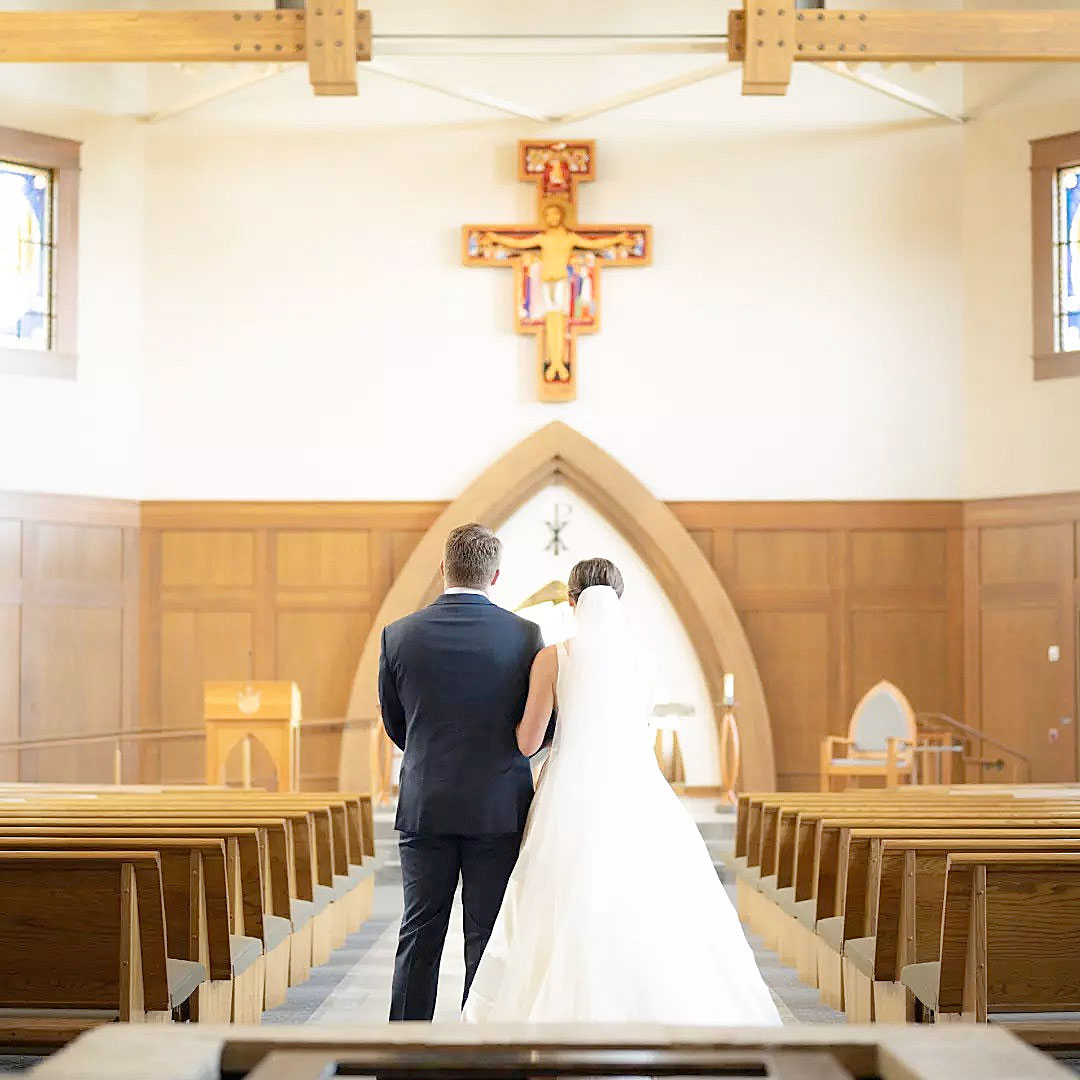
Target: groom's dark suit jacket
x=453, y=679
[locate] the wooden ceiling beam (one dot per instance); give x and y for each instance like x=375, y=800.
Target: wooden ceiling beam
x=332, y=39
x=768, y=37
x=329, y=43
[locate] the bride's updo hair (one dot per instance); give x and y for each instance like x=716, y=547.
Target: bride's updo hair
x=590, y=572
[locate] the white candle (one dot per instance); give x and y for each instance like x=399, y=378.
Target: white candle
x=729, y=689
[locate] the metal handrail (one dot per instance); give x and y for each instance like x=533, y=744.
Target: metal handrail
x=967, y=730
x=155, y=735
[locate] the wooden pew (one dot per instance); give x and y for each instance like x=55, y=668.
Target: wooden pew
x=830, y=893
x=333, y=890
x=797, y=900
x=1010, y=939
x=298, y=843
x=246, y=857
x=197, y=917
x=83, y=940
x=901, y=924
x=296, y=860
x=262, y=898
x=342, y=889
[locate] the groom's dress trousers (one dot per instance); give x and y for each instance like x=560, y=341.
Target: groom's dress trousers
x=453, y=679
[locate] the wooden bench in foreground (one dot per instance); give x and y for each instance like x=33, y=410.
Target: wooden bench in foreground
x=255, y=887
x=84, y=942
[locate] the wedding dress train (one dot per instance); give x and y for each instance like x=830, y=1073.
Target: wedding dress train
x=614, y=911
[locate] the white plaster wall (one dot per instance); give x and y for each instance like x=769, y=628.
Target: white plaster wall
x=675, y=672
x=839, y=307
x=312, y=334
x=82, y=436
x=1023, y=436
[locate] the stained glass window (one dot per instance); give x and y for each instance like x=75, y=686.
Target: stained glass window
x=26, y=256
x=1067, y=259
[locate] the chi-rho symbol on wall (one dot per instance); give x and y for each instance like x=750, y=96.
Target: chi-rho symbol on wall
x=557, y=262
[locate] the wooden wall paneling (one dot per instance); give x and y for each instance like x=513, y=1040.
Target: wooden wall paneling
x=338, y=557
x=10, y=616
x=972, y=629
x=1026, y=510
x=724, y=555
x=402, y=542
x=792, y=650
x=1026, y=581
x=882, y=586
x=381, y=563
x=1074, y=594
x=213, y=620
x=78, y=553
x=150, y=682
x=955, y=642
x=840, y=700
x=28, y=600
x=76, y=657
x=198, y=646
x=264, y=615
x=831, y=594
x=778, y=560
x=909, y=560
x=71, y=670
x=164, y=515
x=315, y=648
x=1068, y=668
x=306, y=575
x=897, y=615
x=68, y=509
x=324, y=591
x=909, y=648
x=129, y=670
x=1020, y=692
x=704, y=540
x=10, y=552
x=9, y=688
x=205, y=559
x=1021, y=554
x=72, y=629
x=800, y=516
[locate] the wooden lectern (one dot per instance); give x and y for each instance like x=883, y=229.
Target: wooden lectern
x=237, y=712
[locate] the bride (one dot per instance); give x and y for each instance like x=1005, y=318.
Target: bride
x=614, y=911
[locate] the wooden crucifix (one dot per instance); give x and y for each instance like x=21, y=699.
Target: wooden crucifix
x=557, y=262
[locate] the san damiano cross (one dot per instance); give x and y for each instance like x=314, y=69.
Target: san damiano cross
x=557, y=263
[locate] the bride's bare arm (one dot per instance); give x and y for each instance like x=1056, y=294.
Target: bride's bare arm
x=541, y=700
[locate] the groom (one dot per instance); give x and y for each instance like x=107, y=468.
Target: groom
x=453, y=679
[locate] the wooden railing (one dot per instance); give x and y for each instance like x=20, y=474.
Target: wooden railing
x=119, y=738
x=970, y=745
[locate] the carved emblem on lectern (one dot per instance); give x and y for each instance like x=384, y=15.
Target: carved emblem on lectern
x=248, y=700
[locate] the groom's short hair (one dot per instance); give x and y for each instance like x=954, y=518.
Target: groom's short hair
x=472, y=556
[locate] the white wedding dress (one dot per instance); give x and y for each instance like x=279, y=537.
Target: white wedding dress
x=614, y=911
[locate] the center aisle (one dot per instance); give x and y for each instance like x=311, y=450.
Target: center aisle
x=354, y=987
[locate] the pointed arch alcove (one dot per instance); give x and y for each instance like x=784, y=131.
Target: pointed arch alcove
x=557, y=451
